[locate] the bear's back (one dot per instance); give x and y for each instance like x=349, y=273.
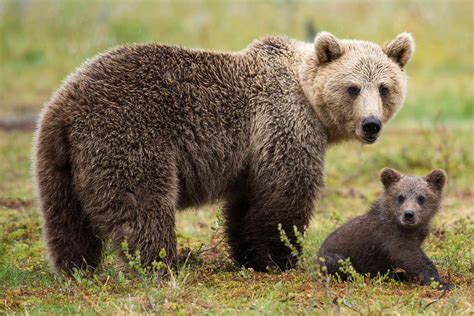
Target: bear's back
x=193, y=106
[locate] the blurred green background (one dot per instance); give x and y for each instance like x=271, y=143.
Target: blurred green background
x=41, y=41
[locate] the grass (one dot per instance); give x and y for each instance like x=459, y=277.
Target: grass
x=42, y=41
x=210, y=282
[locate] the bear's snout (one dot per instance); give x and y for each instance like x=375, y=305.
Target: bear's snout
x=371, y=127
x=408, y=215
x=408, y=218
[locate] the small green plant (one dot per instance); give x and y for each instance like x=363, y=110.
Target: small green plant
x=346, y=269
x=217, y=227
x=246, y=273
x=151, y=276
x=292, y=245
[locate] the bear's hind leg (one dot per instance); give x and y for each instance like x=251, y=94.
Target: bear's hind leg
x=134, y=201
x=71, y=240
x=145, y=220
x=147, y=236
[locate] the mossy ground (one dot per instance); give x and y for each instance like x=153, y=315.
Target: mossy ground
x=210, y=283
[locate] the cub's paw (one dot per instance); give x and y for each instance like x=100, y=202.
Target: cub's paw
x=443, y=286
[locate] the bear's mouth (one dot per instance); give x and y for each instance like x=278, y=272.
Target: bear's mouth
x=369, y=139
x=366, y=138
x=408, y=222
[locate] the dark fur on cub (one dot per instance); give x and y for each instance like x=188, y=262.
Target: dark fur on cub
x=390, y=235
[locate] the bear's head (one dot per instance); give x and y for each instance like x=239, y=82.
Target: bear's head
x=411, y=201
x=356, y=86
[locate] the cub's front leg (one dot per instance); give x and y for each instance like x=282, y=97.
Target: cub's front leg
x=418, y=267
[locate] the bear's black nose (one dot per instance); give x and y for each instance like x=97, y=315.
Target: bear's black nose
x=408, y=214
x=371, y=126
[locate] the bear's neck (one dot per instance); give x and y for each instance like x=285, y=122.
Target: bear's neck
x=313, y=92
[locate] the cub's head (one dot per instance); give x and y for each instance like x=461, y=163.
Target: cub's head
x=356, y=86
x=411, y=201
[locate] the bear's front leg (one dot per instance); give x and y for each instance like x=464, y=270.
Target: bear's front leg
x=419, y=267
x=263, y=238
x=284, y=178
x=401, y=276
x=278, y=201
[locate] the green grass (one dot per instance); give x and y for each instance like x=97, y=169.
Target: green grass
x=210, y=283
x=42, y=41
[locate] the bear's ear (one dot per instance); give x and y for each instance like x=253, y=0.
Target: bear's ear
x=436, y=179
x=327, y=47
x=400, y=49
x=389, y=176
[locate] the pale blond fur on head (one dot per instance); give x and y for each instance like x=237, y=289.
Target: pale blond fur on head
x=400, y=49
x=377, y=73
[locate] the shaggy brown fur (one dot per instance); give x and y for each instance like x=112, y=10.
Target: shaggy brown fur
x=390, y=235
x=145, y=130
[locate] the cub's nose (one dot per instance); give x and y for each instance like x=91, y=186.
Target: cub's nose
x=408, y=215
x=371, y=126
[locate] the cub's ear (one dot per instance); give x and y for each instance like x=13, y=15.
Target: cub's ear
x=389, y=176
x=436, y=179
x=327, y=47
x=400, y=49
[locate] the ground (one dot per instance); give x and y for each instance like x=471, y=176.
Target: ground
x=209, y=282
x=42, y=41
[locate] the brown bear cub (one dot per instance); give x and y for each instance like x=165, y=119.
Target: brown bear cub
x=390, y=235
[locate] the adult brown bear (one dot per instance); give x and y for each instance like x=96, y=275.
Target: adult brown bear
x=144, y=130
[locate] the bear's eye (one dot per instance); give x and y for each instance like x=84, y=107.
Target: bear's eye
x=401, y=199
x=383, y=91
x=353, y=91
x=421, y=199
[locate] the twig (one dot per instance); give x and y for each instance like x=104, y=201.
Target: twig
x=201, y=251
x=349, y=290
x=351, y=307
x=103, y=287
x=436, y=300
x=444, y=290
x=328, y=294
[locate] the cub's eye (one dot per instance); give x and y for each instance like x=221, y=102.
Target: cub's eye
x=383, y=91
x=401, y=199
x=353, y=91
x=421, y=199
